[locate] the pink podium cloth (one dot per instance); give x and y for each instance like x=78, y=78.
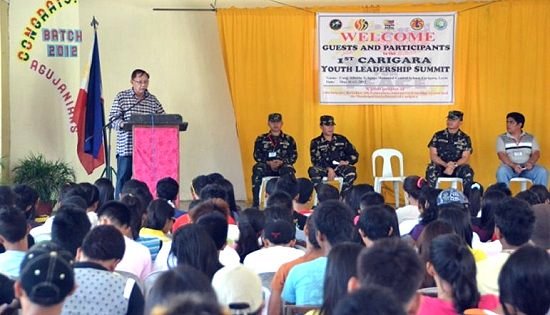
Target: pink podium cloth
x=156, y=154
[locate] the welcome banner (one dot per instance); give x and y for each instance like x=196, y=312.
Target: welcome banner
x=386, y=58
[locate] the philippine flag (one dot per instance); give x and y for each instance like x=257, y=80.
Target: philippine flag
x=89, y=115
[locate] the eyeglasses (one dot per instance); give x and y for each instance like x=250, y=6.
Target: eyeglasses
x=145, y=82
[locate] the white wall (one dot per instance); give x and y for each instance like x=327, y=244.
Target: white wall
x=180, y=50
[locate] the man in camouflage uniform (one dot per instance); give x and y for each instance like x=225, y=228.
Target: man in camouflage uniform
x=275, y=153
x=332, y=155
x=450, y=151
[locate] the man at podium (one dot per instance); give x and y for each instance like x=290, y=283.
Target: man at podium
x=136, y=100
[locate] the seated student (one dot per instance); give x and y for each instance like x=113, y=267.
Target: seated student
x=216, y=225
x=453, y=267
x=413, y=186
x=189, y=304
x=209, y=192
x=288, y=184
x=313, y=251
x=326, y=192
x=168, y=189
x=47, y=278
x=371, y=199
x=106, y=190
x=92, y=201
x=251, y=225
x=304, y=284
x=26, y=199
x=138, y=189
x=193, y=246
x=70, y=226
x=427, y=206
x=159, y=220
x=197, y=184
x=376, y=223
x=370, y=300
x=239, y=289
x=305, y=190
x=341, y=266
x=524, y=282
x=431, y=231
x=514, y=223
x=484, y=225
x=352, y=197
x=180, y=280
x=70, y=193
x=137, y=258
x=100, y=290
x=393, y=264
x=278, y=238
x=542, y=192
x=13, y=236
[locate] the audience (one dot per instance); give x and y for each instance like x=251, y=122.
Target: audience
x=194, y=247
x=251, y=225
x=353, y=196
x=375, y=223
x=159, y=221
x=514, y=223
x=484, y=225
x=106, y=190
x=524, y=282
x=313, y=251
x=431, y=231
x=46, y=280
x=182, y=279
x=279, y=240
x=413, y=186
x=326, y=192
x=100, y=290
x=341, y=266
x=136, y=259
x=26, y=199
x=70, y=226
x=168, y=189
x=13, y=236
x=393, y=264
x=452, y=265
x=239, y=289
x=302, y=203
x=216, y=225
x=304, y=284
x=427, y=206
x=371, y=199
x=370, y=300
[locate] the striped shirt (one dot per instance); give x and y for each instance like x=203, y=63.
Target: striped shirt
x=120, y=112
x=519, y=151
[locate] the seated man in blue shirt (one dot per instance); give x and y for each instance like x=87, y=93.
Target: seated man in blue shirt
x=304, y=284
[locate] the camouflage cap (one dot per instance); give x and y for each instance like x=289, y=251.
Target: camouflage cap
x=327, y=120
x=455, y=115
x=275, y=117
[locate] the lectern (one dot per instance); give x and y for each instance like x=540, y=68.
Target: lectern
x=156, y=152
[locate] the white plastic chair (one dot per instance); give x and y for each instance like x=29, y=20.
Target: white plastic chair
x=453, y=180
x=388, y=174
x=522, y=181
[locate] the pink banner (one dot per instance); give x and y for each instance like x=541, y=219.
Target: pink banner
x=156, y=154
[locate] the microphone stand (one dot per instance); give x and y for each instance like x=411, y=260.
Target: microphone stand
x=109, y=170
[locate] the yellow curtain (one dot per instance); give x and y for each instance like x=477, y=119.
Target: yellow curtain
x=502, y=64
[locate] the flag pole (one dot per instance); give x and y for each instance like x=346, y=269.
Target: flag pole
x=108, y=171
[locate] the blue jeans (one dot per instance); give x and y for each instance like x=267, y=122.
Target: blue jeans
x=123, y=172
x=537, y=174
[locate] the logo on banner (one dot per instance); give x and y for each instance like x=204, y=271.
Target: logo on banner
x=440, y=24
x=389, y=24
x=417, y=24
x=361, y=25
x=335, y=24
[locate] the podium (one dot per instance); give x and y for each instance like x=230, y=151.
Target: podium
x=156, y=150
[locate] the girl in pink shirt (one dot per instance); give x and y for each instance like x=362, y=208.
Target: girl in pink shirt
x=453, y=267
